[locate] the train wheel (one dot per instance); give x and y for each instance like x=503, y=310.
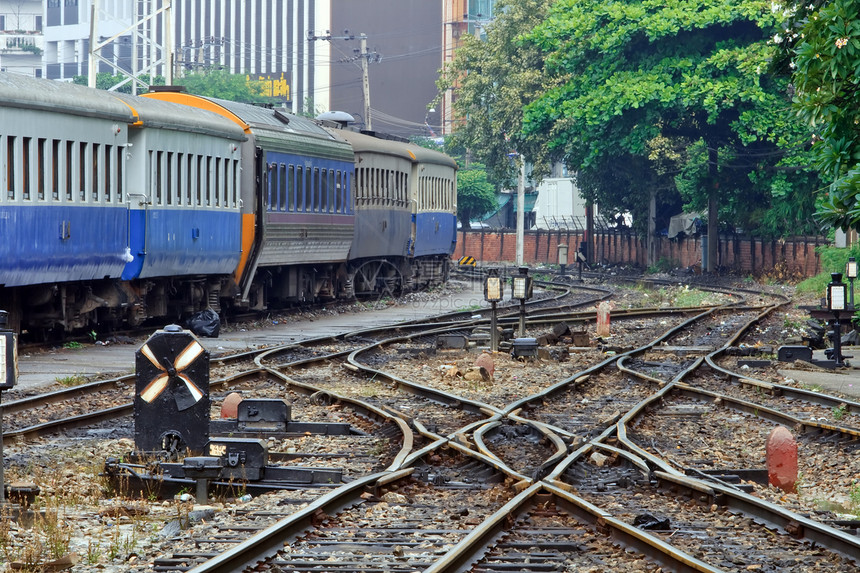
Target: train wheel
x=377, y=278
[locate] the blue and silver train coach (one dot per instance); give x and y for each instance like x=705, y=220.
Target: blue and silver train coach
x=117, y=209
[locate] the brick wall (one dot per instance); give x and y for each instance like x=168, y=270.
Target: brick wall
x=794, y=256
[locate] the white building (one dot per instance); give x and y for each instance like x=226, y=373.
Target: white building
x=265, y=39
x=21, y=39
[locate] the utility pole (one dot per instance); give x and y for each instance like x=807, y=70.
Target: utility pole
x=365, y=81
x=362, y=54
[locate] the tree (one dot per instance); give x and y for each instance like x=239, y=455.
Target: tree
x=494, y=80
x=637, y=79
x=824, y=39
x=223, y=85
x=105, y=81
x=475, y=195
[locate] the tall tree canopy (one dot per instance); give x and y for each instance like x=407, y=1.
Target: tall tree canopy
x=658, y=95
x=224, y=85
x=825, y=41
x=475, y=194
x=494, y=79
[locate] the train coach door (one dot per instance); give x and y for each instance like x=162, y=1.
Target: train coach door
x=137, y=206
x=253, y=209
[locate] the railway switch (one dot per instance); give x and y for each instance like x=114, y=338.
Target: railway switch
x=451, y=341
x=171, y=403
x=792, y=353
x=263, y=414
x=241, y=458
x=525, y=348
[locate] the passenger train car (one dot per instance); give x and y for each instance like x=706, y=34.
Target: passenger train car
x=117, y=209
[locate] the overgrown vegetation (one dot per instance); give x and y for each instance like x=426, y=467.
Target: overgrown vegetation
x=833, y=260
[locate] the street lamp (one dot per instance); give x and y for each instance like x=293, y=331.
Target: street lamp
x=851, y=274
x=521, y=287
x=835, y=304
x=493, y=294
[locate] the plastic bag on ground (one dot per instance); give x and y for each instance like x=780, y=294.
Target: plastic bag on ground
x=205, y=323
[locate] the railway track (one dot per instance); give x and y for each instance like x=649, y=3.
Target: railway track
x=599, y=459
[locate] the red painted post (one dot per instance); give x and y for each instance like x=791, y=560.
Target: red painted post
x=781, y=455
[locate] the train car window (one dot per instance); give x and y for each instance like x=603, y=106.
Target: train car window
x=338, y=191
x=282, y=187
x=300, y=189
x=218, y=190
x=159, y=169
x=324, y=191
x=189, y=178
x=208, y=182
x=180, y=182
x=310, y=191
x=82, y=171
x=170, y=187
x=70, y=170
x=40, y=168
x=316, y=190
x=291, y=188
x=94, y=182
x=386, y=186
x=55, y=169
x=198, y=180
x=108, y=172
x=377, y=176
x=225, y=166
x=10, y=167
x=25, y=167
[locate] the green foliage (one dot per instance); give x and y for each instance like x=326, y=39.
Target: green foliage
x=833, y=260
x=494, y=80
x=105, y=81
x=224, y=85
x=72, y=380
x=824, y=41
x=475, y=195
x=663, y=265
x=839, y=411
x=666, y=99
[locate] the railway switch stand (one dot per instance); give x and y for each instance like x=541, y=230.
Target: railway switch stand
x=836, y=302
x=493, y=294
x=562, y=259
x=522, y=289
x=171, y=402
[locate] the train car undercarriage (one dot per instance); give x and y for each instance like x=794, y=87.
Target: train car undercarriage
x=51, y=311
